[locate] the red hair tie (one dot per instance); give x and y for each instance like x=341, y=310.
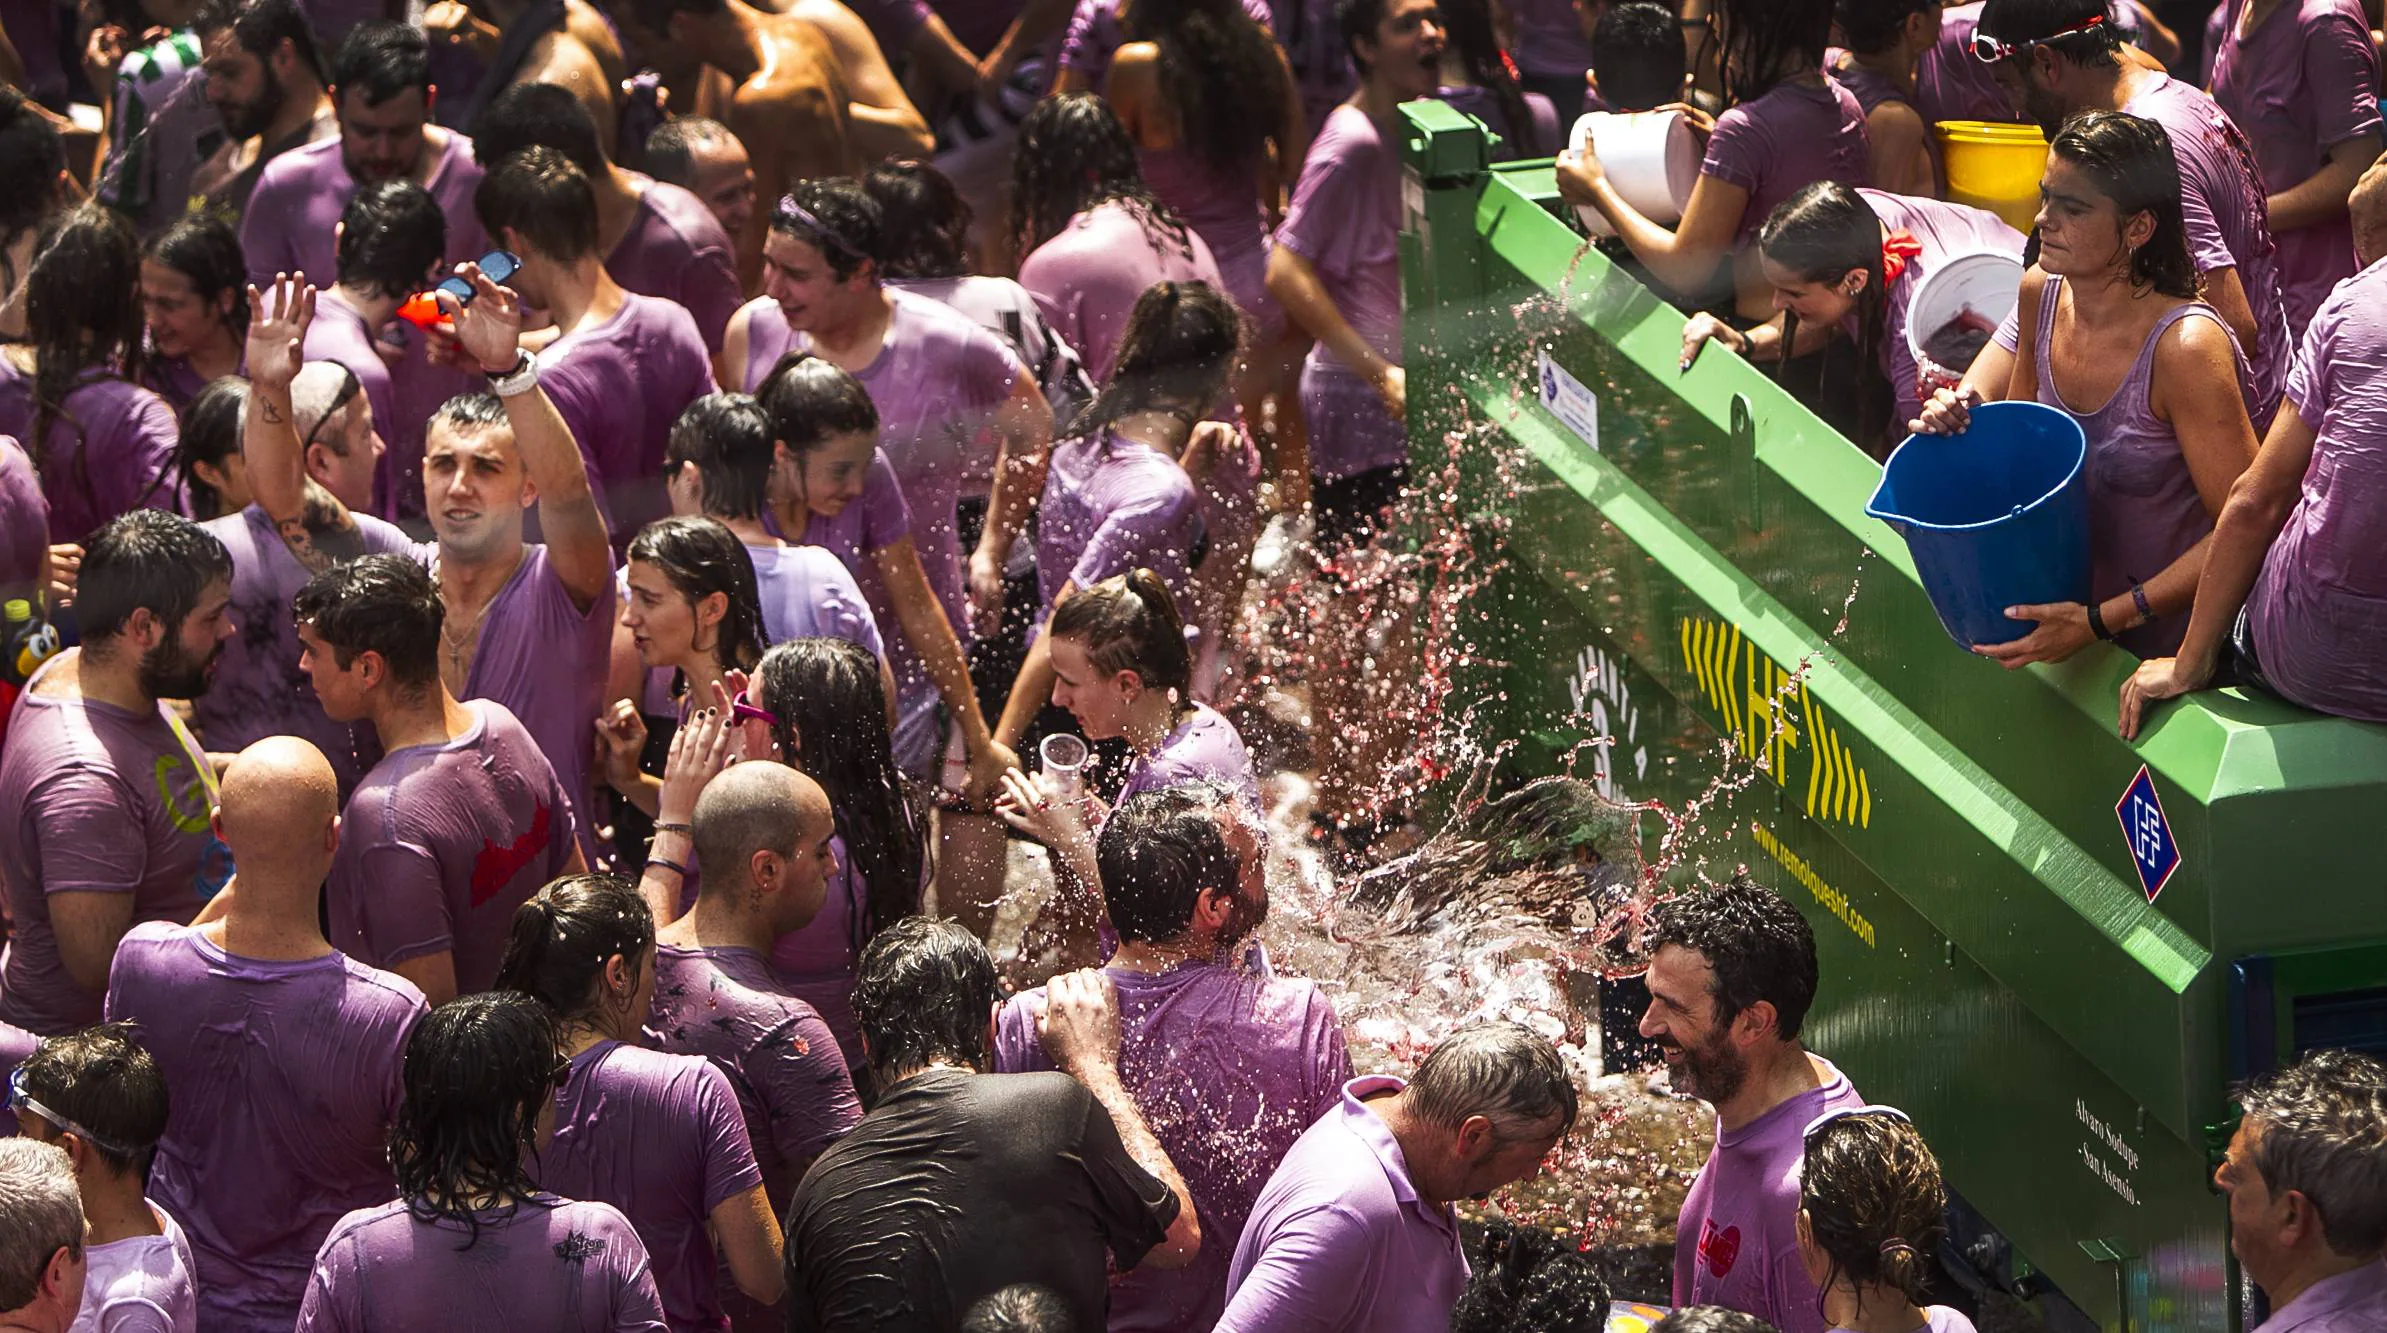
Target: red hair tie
x=1896, y=249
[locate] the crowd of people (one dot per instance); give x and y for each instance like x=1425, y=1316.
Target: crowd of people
x=536, y=535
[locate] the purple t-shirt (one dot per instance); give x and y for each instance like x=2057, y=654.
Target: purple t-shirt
x=174, y=379
x=2303, y=82
x=1229, y=1069
x=284, y=1077
x=675, y=250
x=1945, y=231
x=1339, y=1242
x=619, y=386
x=98, y=800
x=544, y=659
x=1005, y=309
x=788, y=1071
x=1112, y=505
x=1950, y=84
x=816, y=964
x=876, y=519
x=339, y=335
x=661, y=1138
x=297, y=205
x=1222, y=206
x=2350, y=1302
x=1736, y=1238
x=1939, y=1319
x=260, y=689
x=808, y=593
x=1095, y=34
x=547, y=1263
x=441, y=843
x=1345, y=220
x=110, y=452
x=1778, y=144
x=141, y=1284
x=1204, y=747
x=1087, y=277
x=2318, y=612
x=24, y=519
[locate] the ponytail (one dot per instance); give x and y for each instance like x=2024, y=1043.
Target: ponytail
x=1823, y=233
x=1130, y=622
x=1176, y=353
x=560, y=940
x=1874, y=1200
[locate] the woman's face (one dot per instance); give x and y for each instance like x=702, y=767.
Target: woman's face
x=830, y=477
x=667, y=628
x=180, y=319
x=1821, y=302
x=2081, y=231
x=1099, y=703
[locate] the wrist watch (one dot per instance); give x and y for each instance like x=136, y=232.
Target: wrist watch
x=521, y=377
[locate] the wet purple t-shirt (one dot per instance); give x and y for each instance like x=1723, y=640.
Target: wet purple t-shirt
x=292, y=216
x=661, y=1138
x=676, y=251
x=619, y=386
x=1005, y=309
x=807, y=592
x=1778, y=144
x=94, y=799
x=1345, y=220
x=789, y=1073
x=1945, y=231
x=1203, y=747
x=816, y=964
x=547, y=1263
x=284, y=1078
x=1113, y=505
x=1737, y=1240
x=109, y=453
x=2305, y=80
x=1950, y=84
x=260, y=689
x=1087, y=277
x=442, y=842
x=2318, y=612
x=24, y=519
x=1228, y=1069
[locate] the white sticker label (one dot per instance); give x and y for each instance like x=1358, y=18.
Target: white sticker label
x=1566, y=398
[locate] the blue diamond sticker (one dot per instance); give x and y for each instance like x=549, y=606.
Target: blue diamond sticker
x=2153, y=850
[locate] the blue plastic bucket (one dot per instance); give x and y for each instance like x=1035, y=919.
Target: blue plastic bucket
x=1995, y=517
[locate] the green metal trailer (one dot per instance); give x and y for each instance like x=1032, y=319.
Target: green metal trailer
x=2054, y=948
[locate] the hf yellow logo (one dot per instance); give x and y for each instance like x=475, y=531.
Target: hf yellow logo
x=1770, y=714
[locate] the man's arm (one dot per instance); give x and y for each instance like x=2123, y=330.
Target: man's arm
x=1024, y=425
x=434, y=974
x=1080, y=1028
x=923, y=620
x=2322, y=196
x=88, y=926
x=312, y=522
x=1296, y=287
x=885, y=123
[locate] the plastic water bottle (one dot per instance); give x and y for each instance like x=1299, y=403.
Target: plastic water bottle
x=26, y=641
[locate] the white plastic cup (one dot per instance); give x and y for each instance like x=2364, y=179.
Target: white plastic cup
x=1063, y=766
x=1651, y=157
x=1985, y=282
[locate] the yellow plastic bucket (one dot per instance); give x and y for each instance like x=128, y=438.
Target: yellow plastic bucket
x=1994, y=166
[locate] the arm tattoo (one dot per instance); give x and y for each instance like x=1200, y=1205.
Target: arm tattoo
x=265, y=406
x=324, y=533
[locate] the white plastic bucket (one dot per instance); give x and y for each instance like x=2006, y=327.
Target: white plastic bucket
x=1652, y=158
x=1985, y=282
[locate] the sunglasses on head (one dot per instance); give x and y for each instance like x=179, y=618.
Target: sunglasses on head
x=1989, y=50
x=18, y=1098
x=350, y=386
x=1814, y=1126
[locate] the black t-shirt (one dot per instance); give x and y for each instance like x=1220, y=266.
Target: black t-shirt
x=958, y=1185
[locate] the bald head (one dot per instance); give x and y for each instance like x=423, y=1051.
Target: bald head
x=276, y=809
x=758, y=806
x=2368, y=205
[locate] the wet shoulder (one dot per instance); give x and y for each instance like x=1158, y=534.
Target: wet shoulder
x=302, y=169
x=1348, y=132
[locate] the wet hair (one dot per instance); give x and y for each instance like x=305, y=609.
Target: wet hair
x=1753, y=940
x=1160, y=851
x=537, y=115
x=1022, y=1307
x=728, y=437
x=392, y=234
x=382, y=59
x=1822, y=233
x=32, y=156
x=2099, y=47
x=1177, y=352
x=923, y=991
x=1637, y=52
x=82, y=313
x=478, y=1070
x=671, y=149
x=700, y=557
x=556, y=950
x=210, y=434
x=926, y=221
x=1711, y=1319
x=1768, y=41
x=1468, y=24
x=809, y=399
x=146, y=559
x=203, y=248
x=1868, y=26
x=838, y=218
x=471, y=413
x=1221, y=73
x=101, y=1079
x=1523, y=1279
x=260, y=26
x=543, y=197
x=385, y=604
x=1503, y=1071
x=2324, y=1135
x=41, y=1213
x=832, y=711
x=2129, y=160
x=1071, y=155
x=1875, y=1203
x=1357, y=21
x=1130, y=622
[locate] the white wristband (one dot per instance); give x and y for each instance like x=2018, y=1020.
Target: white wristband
x=520, y=380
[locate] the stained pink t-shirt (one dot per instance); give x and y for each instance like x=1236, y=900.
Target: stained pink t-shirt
x=110, y=452
x=295, y=211
x=1345, y=220
x=675, y=250
x=2301, y=83
x=1737, y=1237
x=1779, y=143
x=441, y=843
x=2318, y=612
x=284, y=1078
x=619, y=386
x=547, y=1263
x=1228, y=1068
x=1087, y=277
